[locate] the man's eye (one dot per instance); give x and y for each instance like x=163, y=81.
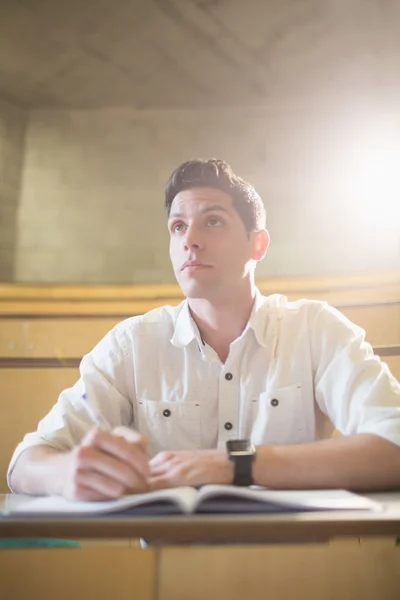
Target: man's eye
x=178, y=227
x=215, y=221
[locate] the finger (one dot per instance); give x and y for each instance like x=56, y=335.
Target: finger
x=131, y=435
x=83, y=493
x=131, y=453
x=160, y=483
x=134, y=455
x=159, y=470
x=162, y=458
x=158, y=475
x=100, y=486
x=173, y=476
x=119, y=471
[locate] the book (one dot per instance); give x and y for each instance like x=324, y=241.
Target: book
x=187, y=500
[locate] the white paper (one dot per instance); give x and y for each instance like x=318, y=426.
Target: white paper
x=56, y=505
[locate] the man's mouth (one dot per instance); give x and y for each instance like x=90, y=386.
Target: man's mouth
x=193, y=265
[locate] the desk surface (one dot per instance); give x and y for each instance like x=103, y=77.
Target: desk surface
x=197, y=528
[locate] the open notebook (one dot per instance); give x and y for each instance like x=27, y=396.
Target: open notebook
x=186, y=500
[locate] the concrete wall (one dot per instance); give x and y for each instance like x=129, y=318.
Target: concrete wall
x=92, y=201
x=12, y=128
x=92, y=194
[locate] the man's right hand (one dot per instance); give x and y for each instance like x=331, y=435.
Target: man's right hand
x=106, y=465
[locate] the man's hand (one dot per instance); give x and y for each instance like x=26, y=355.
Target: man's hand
x=190, y=467
x=106, y=465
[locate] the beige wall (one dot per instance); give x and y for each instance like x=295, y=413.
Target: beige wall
x=92, y=201
x=12, y=126
x=92, y=194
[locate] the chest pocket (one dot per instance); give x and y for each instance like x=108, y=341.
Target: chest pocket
x=169, y=425
x=279, y=417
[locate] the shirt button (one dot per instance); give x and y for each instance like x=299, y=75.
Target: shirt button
x=274, y=402
x=228, y=376
x=228, y=426
x=166, y=412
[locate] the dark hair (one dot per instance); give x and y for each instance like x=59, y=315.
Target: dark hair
x=215, y=173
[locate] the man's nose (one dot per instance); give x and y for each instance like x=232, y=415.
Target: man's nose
x=193, y=239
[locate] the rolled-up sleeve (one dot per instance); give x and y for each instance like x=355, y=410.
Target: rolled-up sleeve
x=107, y=380
x=353, y=387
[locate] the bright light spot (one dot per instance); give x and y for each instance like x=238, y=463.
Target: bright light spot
x=372, y=174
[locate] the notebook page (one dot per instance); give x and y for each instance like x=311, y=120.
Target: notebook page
x=183, y=497
x=298, y=499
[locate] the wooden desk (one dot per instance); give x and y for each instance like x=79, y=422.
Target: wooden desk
x=287, y=568
x=290, y=527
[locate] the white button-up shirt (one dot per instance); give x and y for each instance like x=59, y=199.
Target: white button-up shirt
x=298, y=371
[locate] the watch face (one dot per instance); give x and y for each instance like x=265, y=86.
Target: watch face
x=240, y=447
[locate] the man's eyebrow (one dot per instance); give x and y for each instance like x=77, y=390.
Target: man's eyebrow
x=206, y=209
x=213, y=208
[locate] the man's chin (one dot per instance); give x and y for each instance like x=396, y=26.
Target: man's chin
x=195, y=290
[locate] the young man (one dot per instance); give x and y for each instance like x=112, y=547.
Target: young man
x=189, y=391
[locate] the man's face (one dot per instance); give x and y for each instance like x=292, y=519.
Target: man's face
x=210, y=250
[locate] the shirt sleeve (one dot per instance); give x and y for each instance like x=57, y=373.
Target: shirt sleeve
x=353, y=387
x=106, y=378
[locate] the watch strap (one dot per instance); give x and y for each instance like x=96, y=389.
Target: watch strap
x=243, y=470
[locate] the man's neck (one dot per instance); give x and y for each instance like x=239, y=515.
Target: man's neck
x=222, y=321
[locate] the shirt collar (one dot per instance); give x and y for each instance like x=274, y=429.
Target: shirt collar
x=258, y=321
x=186, y=329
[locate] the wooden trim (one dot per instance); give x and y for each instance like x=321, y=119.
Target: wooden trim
x=27, y=308
x=85, y=292
x=56, y=363
x=38, y=363
x=393, y=350
x=60, y=317
x=30, y=291
x=30, y=300
x=319, y=526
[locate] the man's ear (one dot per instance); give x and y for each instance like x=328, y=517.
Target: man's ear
x=260, y=244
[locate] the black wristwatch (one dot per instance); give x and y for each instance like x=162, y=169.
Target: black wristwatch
x=242, y=453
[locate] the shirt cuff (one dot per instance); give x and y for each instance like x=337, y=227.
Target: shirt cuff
x=20, y=449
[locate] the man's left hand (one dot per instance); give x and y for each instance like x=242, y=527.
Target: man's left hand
x=190, y=467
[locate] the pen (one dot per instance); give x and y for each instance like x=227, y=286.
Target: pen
x=95, y=414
